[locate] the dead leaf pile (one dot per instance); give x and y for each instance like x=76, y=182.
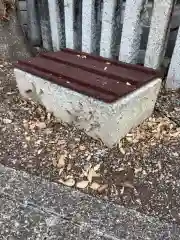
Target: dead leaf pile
x=150, y=132
x=32, y=125
x=88, y=175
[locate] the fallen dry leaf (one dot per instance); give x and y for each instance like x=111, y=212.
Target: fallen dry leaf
x=10, y=93
x=7, y=121
x=120, y=169
x=137, y=170
x=128, y=185
x=129, y=139
x=69, y=166
x=88, y=158
x=47, y=131
x=32, y=126
x=82, y=148
x=60, y=171
x=95, y=186
x=92, y=173
x=38, y=141
x=61, y=161
x=122, y=150
x=54, y=162
x=69, y=182
x=28, y=138
x=61, y=142
x=82, y=184
x=97, y=167
x=138, y=200
x=49, y=116
x=122, y=191
x=41, y=125
x=39, y=151
x=102, y=188
x=175, y=134
x=86, y=170
x=26, y=126
x=159, y=165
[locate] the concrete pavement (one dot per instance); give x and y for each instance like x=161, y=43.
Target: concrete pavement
x=34, y=209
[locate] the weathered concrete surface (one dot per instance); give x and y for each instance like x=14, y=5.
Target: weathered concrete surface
x=131, y=32
x=109, y=122
x=33, y=208
x=69, y=20
x=45, y=24
x=107, y=28
x=56, y=15
x=158, y=33
x=88, y=26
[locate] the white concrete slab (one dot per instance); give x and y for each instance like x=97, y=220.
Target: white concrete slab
x=108, y=122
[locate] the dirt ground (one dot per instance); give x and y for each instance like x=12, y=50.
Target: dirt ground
x=142, y=172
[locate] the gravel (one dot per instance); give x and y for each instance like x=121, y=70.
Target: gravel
x=142, y=172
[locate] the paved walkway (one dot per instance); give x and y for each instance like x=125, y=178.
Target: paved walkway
x=33, y=208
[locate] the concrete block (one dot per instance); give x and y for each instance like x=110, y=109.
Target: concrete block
x=105, y=121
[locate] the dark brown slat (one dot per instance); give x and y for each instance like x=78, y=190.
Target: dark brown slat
x=147, y=70
x=80, y=76
x=87, y=75
x=101, y=68
x=109, y=98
